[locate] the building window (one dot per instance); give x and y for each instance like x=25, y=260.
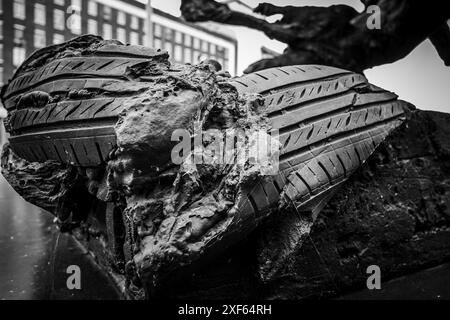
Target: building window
x=168, y=47
x=157, y=30
x=204, y=46
x=178, y=53
x=1, y=28
x=92, y=8
x=1, y=53
x=1, y=76
x=121, y=35
x=220, y=52
x=92, y=26
x=1, y=6
x=60, y=2
x=18, y=56
x=134, y=38
x=134, y=22
x=196, y=43
x=107, y=31
x=58, y=38
x=187, y=40
x=121, y=18
x=178, y=37
x=158, y=44
x=187, y=55
x=59, y=19
x=225, y=65
x=168, y=34
x=19, y=38
x=39, y=14
x=212, y=49
x=195, y=56
x=39, y=38
x=107, y=13
x=19, y=9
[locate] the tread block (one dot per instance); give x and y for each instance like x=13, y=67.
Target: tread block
x=273, y=78
x=259, y=198
x=295, y=95
x=74, y=67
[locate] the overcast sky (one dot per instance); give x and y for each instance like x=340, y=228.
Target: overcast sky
x=421, y=78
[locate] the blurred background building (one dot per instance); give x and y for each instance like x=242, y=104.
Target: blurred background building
x=267, y=53
x=27, y=25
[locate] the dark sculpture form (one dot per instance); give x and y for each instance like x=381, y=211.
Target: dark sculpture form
x=91, y=122
x=338, y=35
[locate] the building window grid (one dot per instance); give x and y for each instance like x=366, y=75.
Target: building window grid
x=196, y=43
x=19, y=9
x=107, y=31
x=187, y=40
x=92, y=9
x=204, y=46
x=178, y=37
x=92, y=26
x=58, y=38
x=59, y=19
x=178, y=53
x=39, y=14
x=19, y=55
x=168, y=34
x=107, y=13
x=195, y=50
x=19, y=52
x=134, y=38
x=19, y=35
x=121, y=18
x=59, y=2
x=134, y=22
x=39, y=38
x=169, y=48
x=122, y=35
x=157, y=30
x=157, y=43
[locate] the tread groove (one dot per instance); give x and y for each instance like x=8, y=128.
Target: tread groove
x=75, y=154
x=103, y=107
x=253, y=203
x=358, y=155
x=57, y=153
x=71, y=111
x=99, y=151
x=342, y=164
x=275, y=183
x=304, y=181
x=326, y=171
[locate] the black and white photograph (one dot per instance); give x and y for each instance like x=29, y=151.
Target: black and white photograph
x=223, y=156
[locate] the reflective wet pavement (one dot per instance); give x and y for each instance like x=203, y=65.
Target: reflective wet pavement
x=429, y=284
x=34, y=256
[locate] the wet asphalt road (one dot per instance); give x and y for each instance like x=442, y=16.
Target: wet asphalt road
x=34, y=256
